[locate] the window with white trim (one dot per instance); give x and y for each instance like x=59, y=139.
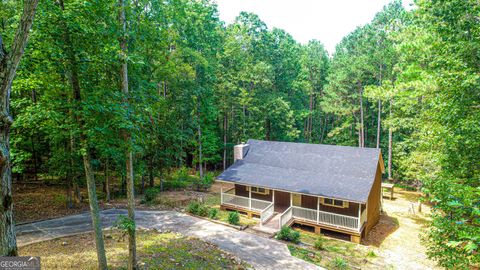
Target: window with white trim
x=259, y=190
x=334, y=203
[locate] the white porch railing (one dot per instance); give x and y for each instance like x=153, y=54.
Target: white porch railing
x=285, y=217
x=266, y=213
x=230, y=198
x=259, y=204
x=332, y=219
x=338, y=220
x=227, y=198
x=304, y=213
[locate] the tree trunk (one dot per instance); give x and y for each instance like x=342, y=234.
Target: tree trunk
x=34, y=156
x=199, y=130
x=310, y=120
x=8, y=67
x=151, y=179
x=92, y=194
x=225, y=141
x=92, y=197
x=107, y=182
x=379, y=118
x=132, y=250
x=390, y=144
x=361, y=131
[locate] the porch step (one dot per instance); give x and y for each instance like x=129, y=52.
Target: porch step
x=270, y=227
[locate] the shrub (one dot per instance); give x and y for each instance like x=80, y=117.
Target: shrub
x=181, y=175
x=213, y=213
x=208, y=179
x=319, y=243
x=150, y=195
x=233, y=218
x=202, y=210
x=371, y=254
x=338, y=263
x=174, y=184
x=193, y=207
x=288, y=234
x=124, y=224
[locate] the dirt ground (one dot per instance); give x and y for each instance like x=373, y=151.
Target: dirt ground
x=397, y=235
x=34, y=202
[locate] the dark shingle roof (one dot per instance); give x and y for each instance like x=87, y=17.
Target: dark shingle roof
x=340, y=172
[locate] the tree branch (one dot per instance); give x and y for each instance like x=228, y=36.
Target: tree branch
x=19, y=43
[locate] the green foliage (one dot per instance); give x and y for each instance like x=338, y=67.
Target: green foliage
x=305, y=254
x=288, y=234
x=233, y=218
x=320, y=242
x=193, y=207
x=213, y=213
x=150, y=195
x=203, y=210
x=371, y=254
x=125, y=224
x=198, y=209
x=175, y=185
x=338, y=263
x=181, y=175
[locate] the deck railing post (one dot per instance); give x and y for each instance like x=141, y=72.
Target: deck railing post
x=359, y=215
x=318, y=210
x=250, y=198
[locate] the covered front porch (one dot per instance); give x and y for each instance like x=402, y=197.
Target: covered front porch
x=278, y=208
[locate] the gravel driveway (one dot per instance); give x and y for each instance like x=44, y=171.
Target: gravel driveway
x=260, y=252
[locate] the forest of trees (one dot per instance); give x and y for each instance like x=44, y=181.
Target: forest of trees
x=167, y=84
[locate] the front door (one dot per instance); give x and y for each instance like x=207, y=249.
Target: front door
x=281, y=201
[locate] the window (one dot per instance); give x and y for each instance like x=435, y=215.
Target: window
x=260, y=190
x=334, y=203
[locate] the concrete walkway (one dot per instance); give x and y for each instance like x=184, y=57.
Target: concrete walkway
x=260, y=252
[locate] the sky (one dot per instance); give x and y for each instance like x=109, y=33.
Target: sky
x=325, y=20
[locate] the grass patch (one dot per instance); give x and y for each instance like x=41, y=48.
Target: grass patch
x=306, y=255
x=213, y=201
x=154, y=250
x=332, y=253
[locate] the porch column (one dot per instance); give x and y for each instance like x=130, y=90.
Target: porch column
x=291, y=199
x=273, y=196
x=318, y=209
x=359, y=215
x=221, y=194
x=250, y=198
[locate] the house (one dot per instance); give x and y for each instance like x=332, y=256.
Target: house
x=331, y=189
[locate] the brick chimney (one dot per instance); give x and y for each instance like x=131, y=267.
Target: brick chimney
x=239, y=151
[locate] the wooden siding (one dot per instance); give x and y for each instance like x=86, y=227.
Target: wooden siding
x=242, y=190
x=309, y=202
x=374, y=201
x=351, y=210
